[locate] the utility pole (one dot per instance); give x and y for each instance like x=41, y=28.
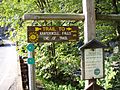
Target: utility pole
x=89, y=26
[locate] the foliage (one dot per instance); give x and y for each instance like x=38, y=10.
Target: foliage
x=108, y=32
x=52, y=86
x=57, y=62
x=115, y=59
x=49, y=85
x=59, y=68
x=112, y=71
x=105, y=32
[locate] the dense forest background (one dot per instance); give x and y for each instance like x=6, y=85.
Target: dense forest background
x=58, y=64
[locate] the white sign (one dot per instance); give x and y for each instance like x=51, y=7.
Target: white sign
x=93, y=63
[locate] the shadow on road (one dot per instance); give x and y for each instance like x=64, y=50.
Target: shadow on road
x=7, y=45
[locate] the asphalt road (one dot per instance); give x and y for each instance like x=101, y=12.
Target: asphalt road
x=8, y=65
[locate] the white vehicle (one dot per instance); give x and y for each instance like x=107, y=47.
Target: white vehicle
x=1, y=41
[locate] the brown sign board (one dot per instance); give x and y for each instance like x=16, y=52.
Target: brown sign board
x=52, y=33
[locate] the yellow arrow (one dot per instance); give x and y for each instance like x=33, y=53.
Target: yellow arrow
x=68, y=28
x=37, y=28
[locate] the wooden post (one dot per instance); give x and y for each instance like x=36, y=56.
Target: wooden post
x=53, y=16
x=89, y=25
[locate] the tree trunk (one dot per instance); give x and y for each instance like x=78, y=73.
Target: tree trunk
x=115, y=6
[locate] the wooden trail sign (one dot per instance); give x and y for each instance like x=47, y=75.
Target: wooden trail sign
x=52, y=33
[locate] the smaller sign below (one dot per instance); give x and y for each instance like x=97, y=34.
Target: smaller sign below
x=30, y=47
x=52, y=33
x=93, y=63
x=31, y=61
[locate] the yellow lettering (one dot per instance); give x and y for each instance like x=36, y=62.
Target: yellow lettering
x=52, y=29
x=74, y=31
x=49, y=29
x=61, y=28
x=72, y=40
x=74, y=35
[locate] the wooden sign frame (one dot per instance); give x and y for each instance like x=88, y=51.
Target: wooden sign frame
x=98, y=65
x=36, y=34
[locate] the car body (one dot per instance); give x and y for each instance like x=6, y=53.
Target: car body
x=1, y=41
